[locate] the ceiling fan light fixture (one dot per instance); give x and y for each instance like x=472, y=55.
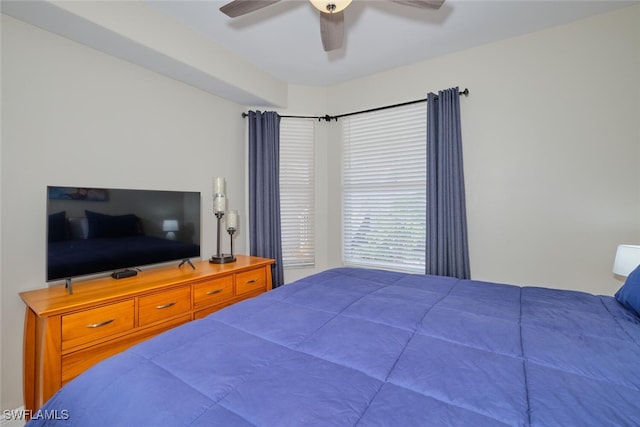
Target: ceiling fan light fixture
x=330, y=6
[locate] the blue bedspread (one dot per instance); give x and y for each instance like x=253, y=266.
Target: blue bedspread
x=351, y=347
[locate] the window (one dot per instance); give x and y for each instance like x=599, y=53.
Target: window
x=384, y=188
x=297, y=192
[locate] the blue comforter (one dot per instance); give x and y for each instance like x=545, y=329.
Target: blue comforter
x=351, y=347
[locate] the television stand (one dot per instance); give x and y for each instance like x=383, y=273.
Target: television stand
x=68, y=287
x=187, y=261
x=65, y=335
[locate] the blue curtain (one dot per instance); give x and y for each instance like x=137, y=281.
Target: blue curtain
x=447, y=249
x=264, y=190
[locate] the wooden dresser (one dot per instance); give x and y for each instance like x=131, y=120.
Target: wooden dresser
x=66, y=334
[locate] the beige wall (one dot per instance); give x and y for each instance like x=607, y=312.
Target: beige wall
x=551, y=143
x=551, y=136
x=75, y=116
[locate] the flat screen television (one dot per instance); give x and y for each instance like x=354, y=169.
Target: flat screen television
x=100, y=230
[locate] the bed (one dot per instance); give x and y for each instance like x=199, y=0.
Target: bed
x=350, y=346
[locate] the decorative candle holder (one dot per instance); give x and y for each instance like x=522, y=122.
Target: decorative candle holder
x=220, y=258
x=231, y=230
x=232, y=227
x=219, y=205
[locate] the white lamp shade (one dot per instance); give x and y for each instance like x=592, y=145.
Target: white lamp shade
x=170, y=225
x=627, y=259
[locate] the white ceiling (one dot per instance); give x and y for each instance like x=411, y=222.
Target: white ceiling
x=284, y=39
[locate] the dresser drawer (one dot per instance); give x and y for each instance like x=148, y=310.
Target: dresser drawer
x=89, y=325
x=251, y=281
x=75, y=363
x=212, y=291
x=164, y=305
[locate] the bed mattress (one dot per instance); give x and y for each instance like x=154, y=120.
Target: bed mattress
x=359, y=347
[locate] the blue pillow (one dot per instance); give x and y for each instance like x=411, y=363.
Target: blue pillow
x=629, y=294
x=57, y=227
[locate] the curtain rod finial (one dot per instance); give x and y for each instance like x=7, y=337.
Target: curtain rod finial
x=465, y=92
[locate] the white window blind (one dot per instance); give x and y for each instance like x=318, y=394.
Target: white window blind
x=384, y=188
x=297, y=192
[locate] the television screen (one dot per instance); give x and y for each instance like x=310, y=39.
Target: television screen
x=99, y=230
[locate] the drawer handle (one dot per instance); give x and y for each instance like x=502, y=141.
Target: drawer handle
x=99, y=324
x=215, y=291
x=251, y=281
x=167, y=305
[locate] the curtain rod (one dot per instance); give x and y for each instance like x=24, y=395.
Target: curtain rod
x=328, y=118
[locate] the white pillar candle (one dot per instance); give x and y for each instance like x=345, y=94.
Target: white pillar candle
x=219, y=203
x=218, y=185
x=232, y=220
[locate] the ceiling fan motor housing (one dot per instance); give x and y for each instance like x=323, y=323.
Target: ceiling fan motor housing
x=331, y=15
x=333, y=6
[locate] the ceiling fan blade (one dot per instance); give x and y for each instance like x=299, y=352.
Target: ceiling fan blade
x=423, y=4
x=242, y=7
x=332, y=30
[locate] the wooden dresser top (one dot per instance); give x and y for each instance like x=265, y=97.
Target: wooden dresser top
x=55, y=299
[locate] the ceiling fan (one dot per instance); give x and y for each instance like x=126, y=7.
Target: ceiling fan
x=331, y=15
